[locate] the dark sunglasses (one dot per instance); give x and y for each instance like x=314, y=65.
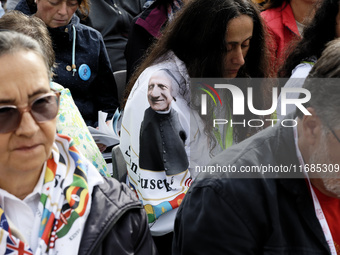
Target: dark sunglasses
x=42, y=109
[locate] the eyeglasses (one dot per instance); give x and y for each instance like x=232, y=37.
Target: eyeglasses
x=42, y=109
x=337, y=138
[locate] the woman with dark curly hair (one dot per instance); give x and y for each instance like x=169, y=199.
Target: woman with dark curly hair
x=324, y=27
x=208, y=39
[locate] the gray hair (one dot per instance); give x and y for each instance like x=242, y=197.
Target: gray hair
x=324, y=85
x=31, y=26
x=12, y=42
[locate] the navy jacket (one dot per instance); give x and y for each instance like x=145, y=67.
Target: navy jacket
x=99, y=92
x=224, y=215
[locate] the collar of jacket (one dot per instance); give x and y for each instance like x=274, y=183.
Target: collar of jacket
x=288, y=19
x=66, y=29
x=30, y=10
x=152, y=19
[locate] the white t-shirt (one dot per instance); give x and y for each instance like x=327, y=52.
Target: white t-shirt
x=300, y=27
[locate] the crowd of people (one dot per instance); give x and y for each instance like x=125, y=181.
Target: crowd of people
x=206, y=172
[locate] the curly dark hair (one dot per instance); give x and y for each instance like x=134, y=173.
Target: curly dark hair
x=316, y=35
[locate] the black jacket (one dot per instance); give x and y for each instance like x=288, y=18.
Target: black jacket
x=162, y=142
x=223, y=215
x=145, y=28
x=99, y=92
x=112, y=18
x=117, y=223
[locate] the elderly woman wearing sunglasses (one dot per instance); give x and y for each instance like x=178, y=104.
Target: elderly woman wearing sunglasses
x=52, y=199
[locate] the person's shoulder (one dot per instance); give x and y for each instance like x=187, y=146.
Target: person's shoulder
x=245, y=193
x=224, y=186
x=116, y=193
x=85, y=29
x=89, y=29
x=23, y=6
x=114, y=206
x=156, y=12
x=272, y=15
x=250, y=150
x=255, y=157
x=302, y=70
x=149, y=112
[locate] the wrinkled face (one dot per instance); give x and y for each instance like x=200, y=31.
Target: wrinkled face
x=24, y=78
x=238, y=36
x=327, y=156
x=56, y=13
x=159, y=92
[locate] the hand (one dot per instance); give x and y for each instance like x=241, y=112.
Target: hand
x=101, y=147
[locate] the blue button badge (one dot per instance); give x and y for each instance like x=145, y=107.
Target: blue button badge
x=84, y=72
